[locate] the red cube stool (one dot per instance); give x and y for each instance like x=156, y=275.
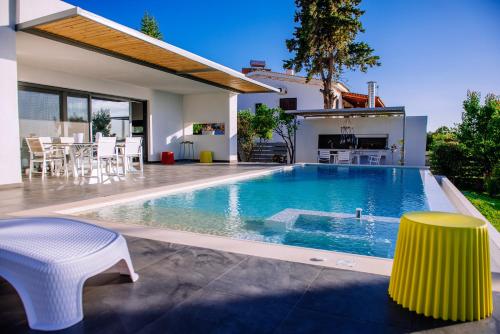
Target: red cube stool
x=167, y=158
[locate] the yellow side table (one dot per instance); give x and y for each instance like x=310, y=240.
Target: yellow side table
x=442, y=266
x=206, y=157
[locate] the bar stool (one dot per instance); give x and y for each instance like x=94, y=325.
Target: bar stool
x=186, y=151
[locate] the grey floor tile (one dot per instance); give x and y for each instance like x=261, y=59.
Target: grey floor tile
x=12, y=315
x=308, y=321
x=344, y=293
x=126, y=307
x=145, y=252
x=486, y=326
x=281, y=280
x=194, y=290
x=216, y=312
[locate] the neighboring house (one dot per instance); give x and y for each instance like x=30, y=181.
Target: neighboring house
x=60, y=65
x=374, y=126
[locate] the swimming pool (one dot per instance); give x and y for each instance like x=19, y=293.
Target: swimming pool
x=309, y=206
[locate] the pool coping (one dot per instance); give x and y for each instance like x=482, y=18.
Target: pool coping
x=324, y=258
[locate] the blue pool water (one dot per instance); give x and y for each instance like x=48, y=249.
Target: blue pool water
x=309, y=206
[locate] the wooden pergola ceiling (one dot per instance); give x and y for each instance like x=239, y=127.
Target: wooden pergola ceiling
x=82, y=28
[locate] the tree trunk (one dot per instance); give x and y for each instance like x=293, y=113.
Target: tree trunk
x=328, y=94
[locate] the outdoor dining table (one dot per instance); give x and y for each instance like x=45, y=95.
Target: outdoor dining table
x=441, y=266
x=77, y=151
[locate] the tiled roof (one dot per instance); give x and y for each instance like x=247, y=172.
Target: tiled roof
x=360, y=100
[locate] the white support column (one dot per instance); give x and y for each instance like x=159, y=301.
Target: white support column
x=10, y=160
x=415, y=140
x=232, y=127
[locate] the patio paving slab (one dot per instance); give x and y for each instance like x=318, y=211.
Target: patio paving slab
x=183, y=289
x=58, y=190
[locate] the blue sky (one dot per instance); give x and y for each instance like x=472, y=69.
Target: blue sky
x=432, y=51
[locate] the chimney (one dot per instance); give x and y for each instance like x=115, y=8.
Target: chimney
x=255, y=65
x=372, y=92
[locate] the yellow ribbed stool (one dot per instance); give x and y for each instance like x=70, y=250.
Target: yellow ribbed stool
x=441, y=266
x=206, y=157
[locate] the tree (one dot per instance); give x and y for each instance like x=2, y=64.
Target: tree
x=264, y=122
x=480, y=130
x=246, y=134
x=324, y=42
x=442, y=134
x=150, y=27
x=286, y=128
x=448, y=158
x=101, y=122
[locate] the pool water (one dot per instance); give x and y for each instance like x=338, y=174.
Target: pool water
x=309, y=206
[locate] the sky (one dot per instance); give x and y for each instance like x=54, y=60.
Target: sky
x=432, y=51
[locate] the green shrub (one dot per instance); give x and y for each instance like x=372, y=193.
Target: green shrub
x=492, y=182
x=246, y=135
x=449, y=159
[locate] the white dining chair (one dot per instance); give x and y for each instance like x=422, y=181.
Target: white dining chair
x=46, y=157
x=106, y=154
x=46, y=141
x=324, y=156
x=344, y=157
x=131, y=150
x=374, y=159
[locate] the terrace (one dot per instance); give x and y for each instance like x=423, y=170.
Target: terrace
x=183, y=288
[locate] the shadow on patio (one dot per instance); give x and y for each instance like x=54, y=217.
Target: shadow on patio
x=184, y=289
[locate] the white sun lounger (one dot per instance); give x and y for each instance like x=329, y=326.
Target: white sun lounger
x=47, y=261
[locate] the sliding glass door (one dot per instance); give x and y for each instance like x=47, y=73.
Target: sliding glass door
x=39, y=116
x=77, y=116
x=57, y=112
x=111, y=118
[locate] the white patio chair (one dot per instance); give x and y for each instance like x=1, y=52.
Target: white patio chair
x=47, y=260
x=131, y=150
x=106, y=154
x=324, y=156
x=39, y=153
x=374, y=159
x=46, y=141
x=344, y=157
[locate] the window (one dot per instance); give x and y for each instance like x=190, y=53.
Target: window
x=360, y=142
x=288, y=103
x=372, y=143
x=38, y=105
x=111, y=118
x=78, y=109
x=46, y=111
x=39, y=116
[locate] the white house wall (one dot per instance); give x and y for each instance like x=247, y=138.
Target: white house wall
x=10, y=160
x=416, y=138
x=310, y=129
x=166, y=124
x=308, y=96
x=212, y=108
x=42, y=76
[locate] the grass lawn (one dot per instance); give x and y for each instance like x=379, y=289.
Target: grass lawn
x=488, y=206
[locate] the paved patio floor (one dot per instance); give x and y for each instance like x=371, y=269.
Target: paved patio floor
x=58, y=190
x=184, y=289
